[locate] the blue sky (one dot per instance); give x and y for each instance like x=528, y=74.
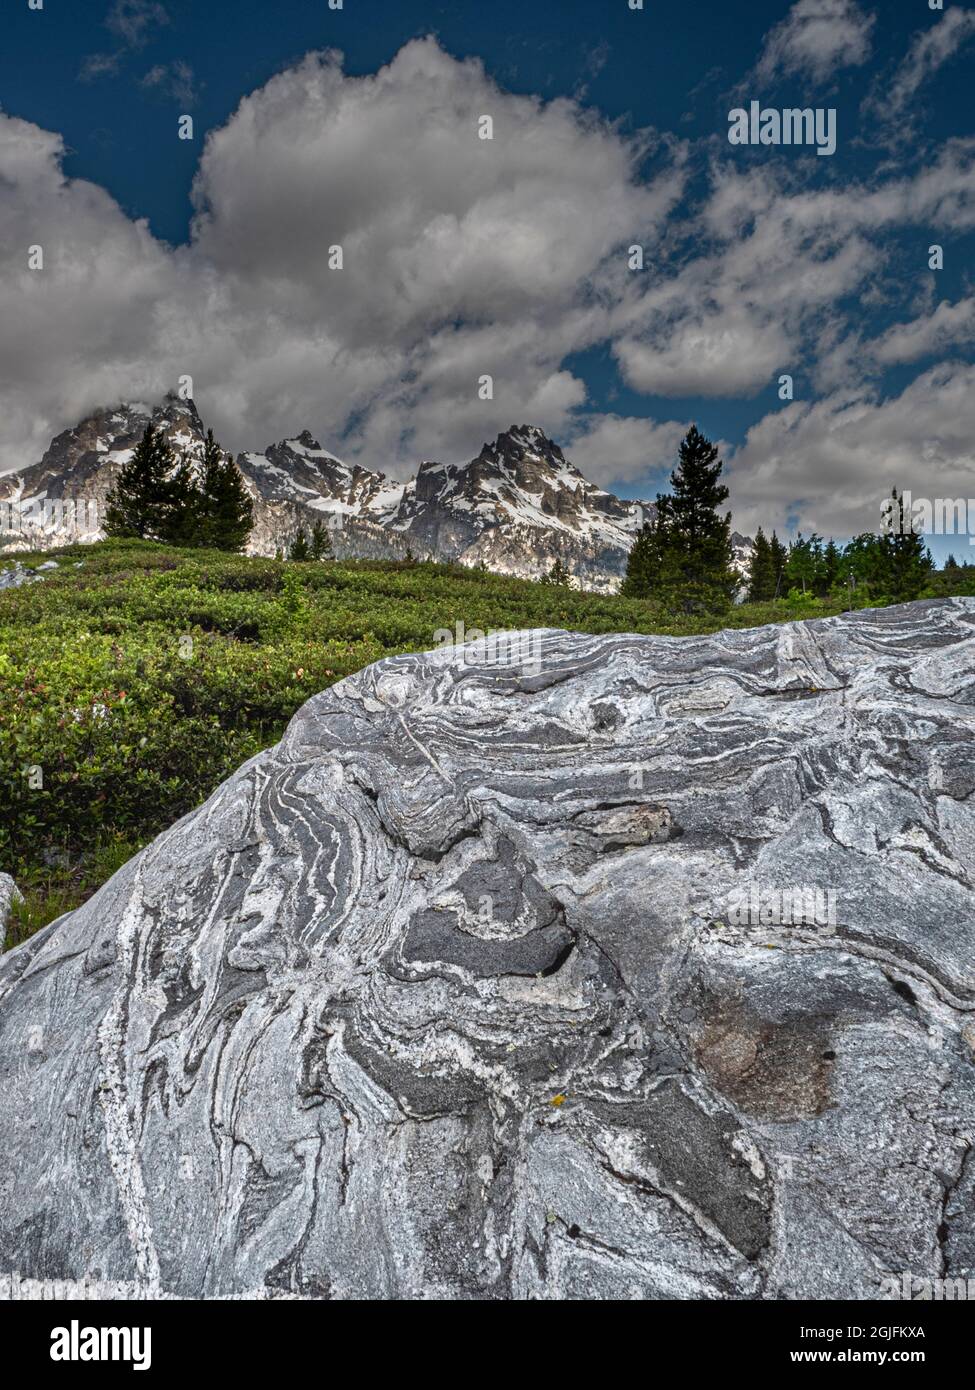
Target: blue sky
x=611, y=129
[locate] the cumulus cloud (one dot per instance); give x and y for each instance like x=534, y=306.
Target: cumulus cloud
x=465, y=258
x=614, y=449
x=827, y=465
x=946, y=327
x=816, y=38
x=462, y=258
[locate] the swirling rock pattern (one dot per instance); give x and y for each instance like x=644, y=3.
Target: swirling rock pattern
x=442, y=997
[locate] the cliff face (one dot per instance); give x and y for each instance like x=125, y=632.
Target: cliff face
x=568, y=966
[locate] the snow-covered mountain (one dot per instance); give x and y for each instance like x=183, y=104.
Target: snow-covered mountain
x=81, y=465
x=515, y=508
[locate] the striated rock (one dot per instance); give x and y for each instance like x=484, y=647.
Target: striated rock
x=9, y=894
x=475, y=987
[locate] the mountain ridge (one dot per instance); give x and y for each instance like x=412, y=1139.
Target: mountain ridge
x=516, y=507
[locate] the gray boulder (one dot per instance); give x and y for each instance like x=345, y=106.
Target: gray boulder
x=13, y=576
x=489, y=981
x=9, y=894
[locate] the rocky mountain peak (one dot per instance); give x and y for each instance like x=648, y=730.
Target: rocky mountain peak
x=516, y=506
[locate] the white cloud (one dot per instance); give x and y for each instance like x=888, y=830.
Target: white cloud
x=816, y=38
x=947, y=326
x=612, y=449
x=173, y=79
x=462, y=257
x=830, y=463
x=729, y=352
x=134, y=21
x=930, y=49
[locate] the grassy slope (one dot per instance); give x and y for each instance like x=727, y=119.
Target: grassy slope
x=131, y=725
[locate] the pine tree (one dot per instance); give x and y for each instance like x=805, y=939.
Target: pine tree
x=180, y=523
x=299, y=546
x=558, y=575
x=908, y=562
x=140, y=503
x=640, y=564
x=779, y=559
x=805, y=568
x=684, y=555
x=221, y=514
x=761, y=570
x=321, y=542
x=832, y=559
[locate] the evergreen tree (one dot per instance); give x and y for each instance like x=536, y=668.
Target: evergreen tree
x=221, y=514
x=832, y=559
x=779, y=558
x=558, y=575
x=321, y=542
x=640, y=564
x=761, y=570
x=684, y=555
x=864, y=561
x=140, y=503
x=805, y=568
x=299, y=546
x=908, y=562
x=180, y=523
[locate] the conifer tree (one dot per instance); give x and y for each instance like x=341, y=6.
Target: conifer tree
x=684, y=554
x=321, y=542
x=558, y=575
x=908, y=562
x=805, y=568
x=180, y=523
x=832, y=559
x=299, y=546
x=139, y=504
x=761, y=570
x=221, y=513
x=640, y=564
x=779, y=558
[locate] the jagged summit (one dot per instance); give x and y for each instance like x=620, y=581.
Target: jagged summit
x=83, y=461
x=515, y=507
